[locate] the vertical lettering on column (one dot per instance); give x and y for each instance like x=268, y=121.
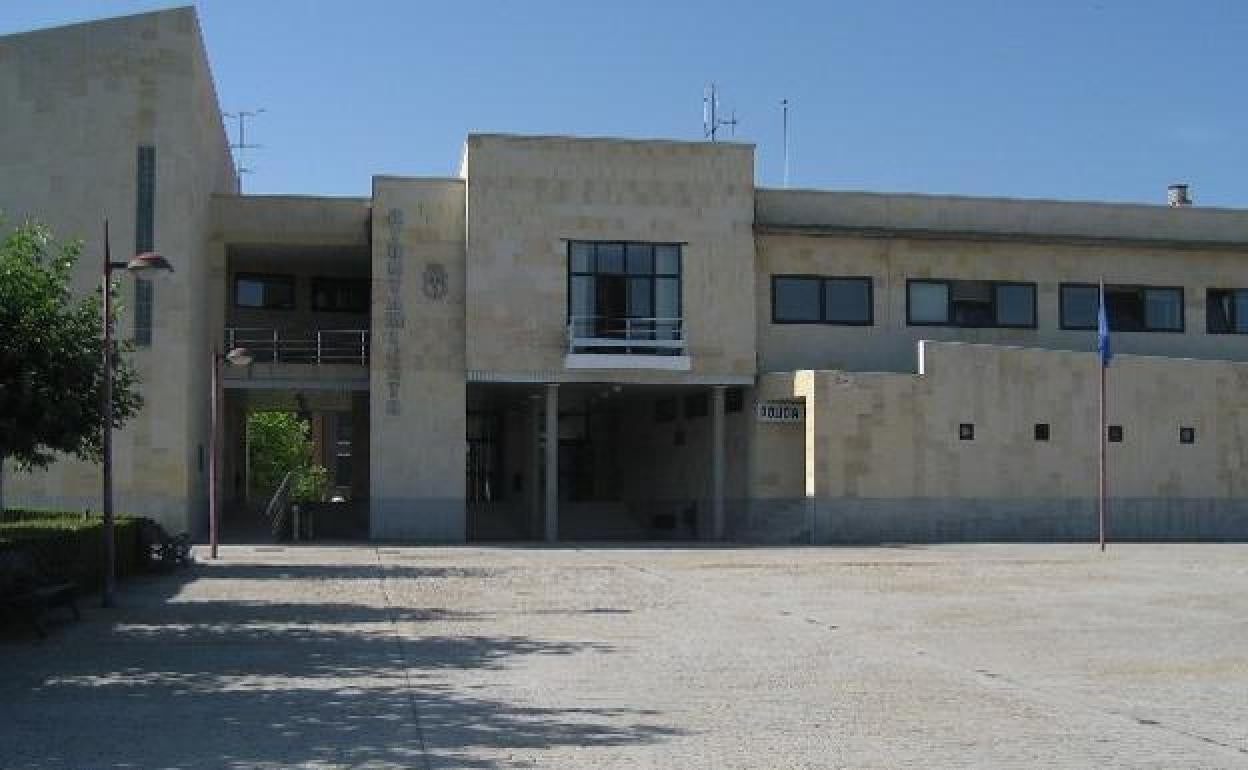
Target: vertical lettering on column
x=393, y=311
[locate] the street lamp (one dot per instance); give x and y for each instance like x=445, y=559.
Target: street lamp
x=144, y=263
x=236, y=357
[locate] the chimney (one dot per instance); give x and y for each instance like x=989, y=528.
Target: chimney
x=1176, y=195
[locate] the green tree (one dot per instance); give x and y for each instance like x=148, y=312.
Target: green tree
x=51, y=355
x=279, y=443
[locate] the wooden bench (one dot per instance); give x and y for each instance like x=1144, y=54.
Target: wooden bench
x=27, y=590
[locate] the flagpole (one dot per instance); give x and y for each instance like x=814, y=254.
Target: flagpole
x=1101, y=365
x=1102, y=361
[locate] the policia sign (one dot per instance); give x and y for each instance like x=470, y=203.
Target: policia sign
x=780, y=411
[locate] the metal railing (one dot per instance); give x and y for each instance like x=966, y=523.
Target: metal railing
x=279, y=505
x=608, y=334
x=320, y=346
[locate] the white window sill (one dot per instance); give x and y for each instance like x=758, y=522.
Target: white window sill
x=625, y=361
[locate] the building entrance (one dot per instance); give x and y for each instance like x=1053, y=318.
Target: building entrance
x=633, y=462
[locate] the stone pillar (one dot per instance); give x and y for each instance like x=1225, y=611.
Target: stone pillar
x=552, y=462
x=533, y=469
x=717, y=461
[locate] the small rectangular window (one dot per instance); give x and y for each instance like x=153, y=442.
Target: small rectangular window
x=971, y=304
x=270, y=292
x=966, y=431
x=667, y=259
x=640, y=258
x=847, y=301
x=610, y=258
x=340, y=295
x=796, y=300
x=1226, y=311
x=1115, y=434
x=143, y=298
x=820, y=299
x=145, y=203
x=144, y=240
x=1015, y=304
x=1187, y=435
x=1127, y=308
x=1163, y=310
x=927, y=302
x=734, y=400
x=1078, y=306
x=1042, y=431
x=581, y=257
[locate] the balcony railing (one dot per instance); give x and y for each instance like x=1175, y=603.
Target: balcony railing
x=286, y=346
x=637, y=336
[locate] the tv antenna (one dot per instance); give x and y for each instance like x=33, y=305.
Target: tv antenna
x=711, y=121
x=784, y=103
x=240, y=147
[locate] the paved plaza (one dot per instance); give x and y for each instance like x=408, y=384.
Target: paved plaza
x=991, y=656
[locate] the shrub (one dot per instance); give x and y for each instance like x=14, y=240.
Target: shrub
x=71, y=543
x=310, y=484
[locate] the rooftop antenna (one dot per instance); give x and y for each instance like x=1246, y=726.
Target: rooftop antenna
x=785, y=104
x=711, y=122
x=240, y=147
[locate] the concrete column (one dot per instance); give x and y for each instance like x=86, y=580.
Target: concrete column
x=533, y=470
x=552, y=462
x=717, y=461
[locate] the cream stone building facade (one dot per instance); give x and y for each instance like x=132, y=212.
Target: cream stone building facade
x=579, y=338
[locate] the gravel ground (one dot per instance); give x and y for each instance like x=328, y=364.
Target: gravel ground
x=994, y=656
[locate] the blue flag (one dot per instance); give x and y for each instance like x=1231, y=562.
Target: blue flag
x=1102, y=330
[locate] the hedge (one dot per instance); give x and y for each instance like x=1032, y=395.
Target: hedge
x=71, y=543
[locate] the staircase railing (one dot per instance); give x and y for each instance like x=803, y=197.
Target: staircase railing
x=279, y=505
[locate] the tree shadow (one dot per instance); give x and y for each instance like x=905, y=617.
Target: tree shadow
x=174, y=681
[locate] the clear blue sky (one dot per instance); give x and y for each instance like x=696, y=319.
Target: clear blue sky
x=1096, y=99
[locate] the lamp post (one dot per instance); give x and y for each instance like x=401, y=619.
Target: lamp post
x=236, y=357
x=141, y=263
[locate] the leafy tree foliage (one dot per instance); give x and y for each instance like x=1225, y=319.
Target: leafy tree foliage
x=279, y=443
x=51, y=355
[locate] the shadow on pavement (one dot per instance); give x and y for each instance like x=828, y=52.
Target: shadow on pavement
x=218, y=679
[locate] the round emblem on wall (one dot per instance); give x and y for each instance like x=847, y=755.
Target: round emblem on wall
x=435, y=281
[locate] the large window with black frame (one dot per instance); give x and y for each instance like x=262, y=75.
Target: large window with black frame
x=623, y=295
x=971, y=304
x=1226, y=311
x=1127, y=308
x=814, y=299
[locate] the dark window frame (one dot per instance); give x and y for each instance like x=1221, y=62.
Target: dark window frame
x=145, y=200
x=654, y=275
x=265, y=278
x=966, y=431
x=1187, y=434
x=144, y=240
x=993, y=285
x=364, y=284
x=1232, y=320
x=1141, y=287
x=1042, y=431
x=823, y=298
x=144, y=301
